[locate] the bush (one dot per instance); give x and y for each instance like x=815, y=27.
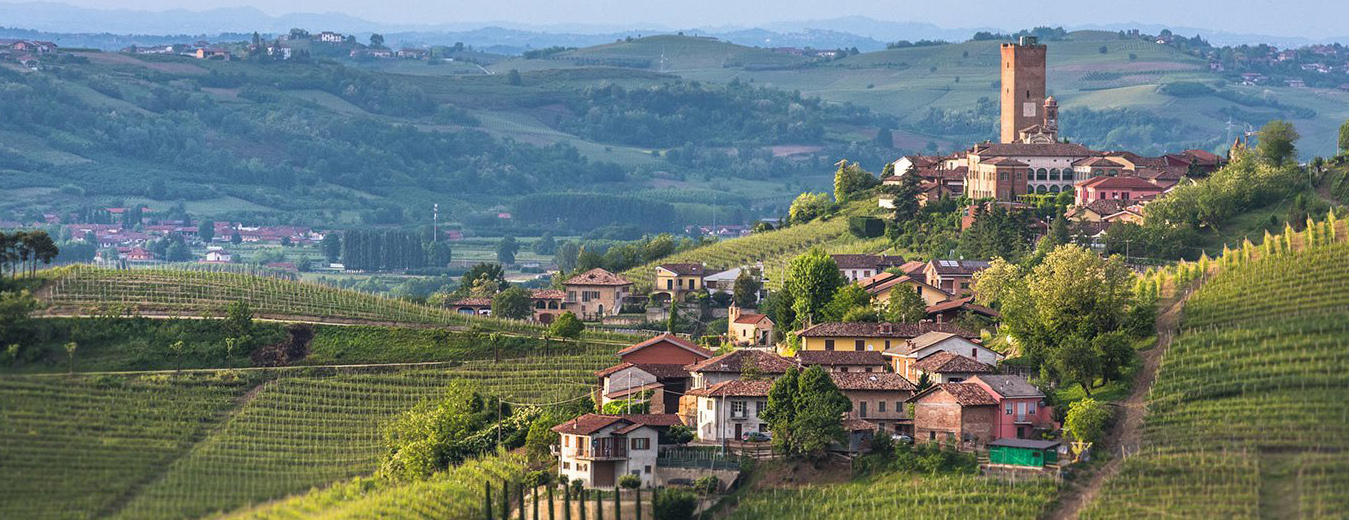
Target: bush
x=674, y=504
x=630, y=481
x=866, y=227
x=707, y=485
x=1087, y=420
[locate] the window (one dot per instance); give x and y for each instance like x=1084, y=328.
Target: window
x=899, y=406
x=829, y=344
x=1031, y=408
x=646, y=469
x=859, y=345
x=1040, y=174
x=932, y=436
x=1054, y=174
x=1067, y=175
x=880, y=406
x=843, y=369
x=566, y=441
x=758, y=407
x=863, y=408
x=709, y=404
x=641, y=443
x=566, y=465
x=1009, y=408
x=738, y=408
x=1002, y=176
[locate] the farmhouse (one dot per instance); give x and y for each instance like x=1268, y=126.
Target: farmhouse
x=877, y=398
x=954, y=276
x=880, y=286
x=1115, y=188
x=857, y=267
x=547, y=304
x=596, y=293
x=954, y=412
x=656, y=365
x=1023, y=410
x=877, y=337
x=748, y=329
x=596, y=449
x=673, y=281
x=729, y=409
x=905, y=356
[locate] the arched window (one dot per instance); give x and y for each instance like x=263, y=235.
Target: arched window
x=1098, y=173
x=1041, y=189
x=1040, y=174
x=1114, y=173
x=1054, y=189
x=1067, y=174
x=1054, y=174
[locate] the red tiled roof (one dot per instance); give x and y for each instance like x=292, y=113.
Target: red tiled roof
x=668, y=338
x=958, y=267
x=751, y=319
x=881, y=330
x=597, y=276
x=660, y=370
x=473, y=302
x=735, y=388
x=884, y=381
x=948, y=362
x=966, y=303
x=1009, y=385
x=854, y=424
x=685, y=269
x=547, y=294
x=1032, y=150
x=840, y=357
x=1105, y=162
x=896, y=280
x=867, y=261
x=1129, y=183
x=966, y=394
x=593, y=422
x=735, y=361
x=1003, y=161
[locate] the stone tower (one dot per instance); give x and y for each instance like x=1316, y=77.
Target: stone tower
x=1023, y=86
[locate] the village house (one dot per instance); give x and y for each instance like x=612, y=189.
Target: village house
x=857, y=267
x=730, y=366
x=954, y=276
x=748, y=329
x=954, y=412
x=330, y=37
x=730, y=409
x=596, y=293
x=1115, y=188
x=861, y=336
x=673, y=281
x=217, y=255
x=547, y=304
x=877, y=398
x=948, y=367
x=904, y=356
x=596, y=449
x=844, y=360
x=724, y=282
x=657, y=365
x=212, y=53
x=472, y=306
x=880, y=286
x=1022, y=406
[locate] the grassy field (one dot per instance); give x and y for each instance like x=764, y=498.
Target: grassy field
x=1248, y=414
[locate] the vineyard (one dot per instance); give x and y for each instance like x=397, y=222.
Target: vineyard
x=889, y=496
x=773, y=248
x=1258, y=381
x=175, y=446
x=85, y=290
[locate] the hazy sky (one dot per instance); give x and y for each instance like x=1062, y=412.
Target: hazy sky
x=1310, y=18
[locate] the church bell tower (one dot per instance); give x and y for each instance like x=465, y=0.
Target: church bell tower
x=1023, y=87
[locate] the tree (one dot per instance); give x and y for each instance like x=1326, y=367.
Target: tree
x=781, y=409
x=482, y=273
x=812, y=279
x=904, y=306
x=545, y=245
x=884, y=138
x=629, y=481
x=238, y=320
x=1276, y=142
x=178, y=252
x=376, y=40
x=1344, y=138
x=541, y=437
x=236, y=239
x=506, y=250
x=438, y=253
x=16, y=309
x=177, y=348
x=745, y=292
x=1087, y=419
x=206, y=231
x=808, y=207
x=331, y=246
x=851, y=180
x=567, y=326
x=673, y=504
x=513, y=78
x=850, y=296
x=513, y=303
x=904, y=197
x=71, y=347
x=820, y=408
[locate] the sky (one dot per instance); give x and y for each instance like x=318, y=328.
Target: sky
x=1306, y=18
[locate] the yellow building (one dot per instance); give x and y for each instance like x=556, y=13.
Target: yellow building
x=869, y=336
x=673, y=281
x=881, y=285
x=596, y=293
x=748, y=329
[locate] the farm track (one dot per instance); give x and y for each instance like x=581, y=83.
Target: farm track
x=1127, y=431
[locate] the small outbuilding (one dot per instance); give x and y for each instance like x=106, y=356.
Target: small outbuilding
x=1023, y=452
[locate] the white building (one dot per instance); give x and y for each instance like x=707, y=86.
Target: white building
x=906, y=356
x=729, y=409
x=597, y=449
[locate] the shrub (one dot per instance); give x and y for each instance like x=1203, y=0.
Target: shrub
x=630, y=481
x=866, y=227
x=1087, y=419
x=673, y=504
x=707, y=485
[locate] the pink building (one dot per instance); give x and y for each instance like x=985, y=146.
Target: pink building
x=1021, y=408
x=1115, y=188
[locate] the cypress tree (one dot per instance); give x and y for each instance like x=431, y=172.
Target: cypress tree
x=487, y=502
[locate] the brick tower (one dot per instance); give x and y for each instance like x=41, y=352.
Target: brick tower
x=1023, y=86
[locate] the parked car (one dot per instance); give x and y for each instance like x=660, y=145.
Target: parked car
x=902, y=438
x=756, y=437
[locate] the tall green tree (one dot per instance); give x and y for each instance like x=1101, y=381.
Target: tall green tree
x=567, y=326
x=206, y=231
x=812, y=279
x=1087, y=419
x=820, y=406
x=904, y=196
x=850, y=180
x=506, y=250
x=331, y=246
x=513, y=303
x=904, y=306
x=745, y=292
x=1277, y=142
x=1344, y=138
x=850, y=296
x=781, y=409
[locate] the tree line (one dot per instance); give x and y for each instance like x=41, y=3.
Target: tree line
x=22, y=251
x=388, y=250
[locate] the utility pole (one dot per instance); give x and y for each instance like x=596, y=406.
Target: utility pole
x=435, y=222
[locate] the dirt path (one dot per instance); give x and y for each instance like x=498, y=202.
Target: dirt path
x=1127, y=433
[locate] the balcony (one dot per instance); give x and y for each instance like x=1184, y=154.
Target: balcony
x=604, y=449
x=1022, y=418
x=739, y=416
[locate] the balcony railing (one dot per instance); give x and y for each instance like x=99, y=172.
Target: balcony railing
x=1022, y=418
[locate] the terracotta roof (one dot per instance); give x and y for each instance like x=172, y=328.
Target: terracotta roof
x=913, y=267
x=668, y=338
x=896, y=280
x=732, y=362
x=1009, y=385
x=880, y=330
x=660, y=370
x=948, y=362
x=597, y=276
x=1104, y=162
x=751, y=319
x=840, y=357
x=959, y=267
x=966, y=303
x=1105, y=206
x=854, y=424
x=1003, y=161
x=619, y=394
x=475, y=302
x=1204, y=156
x=923, y=160
x=967, y=394
x=1033, y=150
x=867, y=261
x=1132, y=183
x=593, y=422
x=547, y=294
x=684, y=269
x=871, y=381
x=735, y=388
